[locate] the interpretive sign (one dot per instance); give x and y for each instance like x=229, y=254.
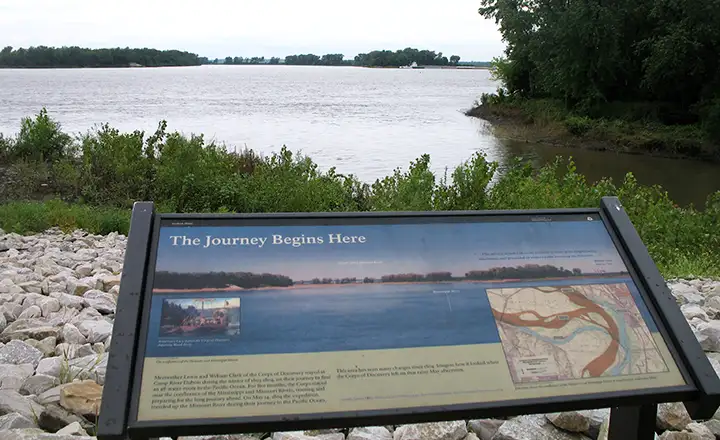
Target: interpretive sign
x=239, y=323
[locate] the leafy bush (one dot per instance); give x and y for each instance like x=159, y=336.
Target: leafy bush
x=41, y=139
x=578, y=125
x=6, y=147
x=113, y=166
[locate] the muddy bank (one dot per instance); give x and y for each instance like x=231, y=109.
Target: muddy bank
x=515, y=123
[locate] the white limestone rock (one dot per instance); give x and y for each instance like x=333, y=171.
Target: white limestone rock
x=27, y=329
x=84, y=270
x=110, y=282
x=11, y=311
x=87, y=314
x=38, y=384
x=533, y=427
x=712, y=302
x=370, y=433
x=46, y=346
x=15, y=421
x=66, y=300
x=485, y=428
x=95, y=331
x=93, y=282
x=300, y=435
x=31, y=286
x=708, y=334
x=18, y=352
x=685, y=293
x=49, y=306
x=92, y=367
x=572, y=421
x=13, y=402
x=672, y=416
x=63, y=316
x=77, y=287
x=70, y=334
x=13, y=376
x=49, y=396
x=72, y=351
x=714, y=426
x=100, y=301
x=455, y=430
x=52, y=366
x=691, y=311
x=36, y=434
x=73, y=429
x=684, y=435
x=701, y=430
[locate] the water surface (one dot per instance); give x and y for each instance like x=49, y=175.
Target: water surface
x=362, y=121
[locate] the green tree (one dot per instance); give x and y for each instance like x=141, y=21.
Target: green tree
x=593, y=54
x=43, y=56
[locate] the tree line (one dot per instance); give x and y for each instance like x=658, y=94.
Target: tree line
x=216, y=280
x=528, y=271
x=43, y=56
x=647, y=59
x=376, y=58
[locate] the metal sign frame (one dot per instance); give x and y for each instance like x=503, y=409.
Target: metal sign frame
x=633, y=412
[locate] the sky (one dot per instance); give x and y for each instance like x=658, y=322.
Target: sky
x=388, y=249
x=218, y=28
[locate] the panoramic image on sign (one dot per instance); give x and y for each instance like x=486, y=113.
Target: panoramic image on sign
x=261, y=320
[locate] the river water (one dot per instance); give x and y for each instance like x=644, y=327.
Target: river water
x=362, y=121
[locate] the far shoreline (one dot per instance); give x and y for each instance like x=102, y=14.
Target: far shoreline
x=326, y=286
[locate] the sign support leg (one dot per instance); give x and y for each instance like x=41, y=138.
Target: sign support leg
x=632, y=422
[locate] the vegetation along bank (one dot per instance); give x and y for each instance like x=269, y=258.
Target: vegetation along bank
x=48, y=178
x=75, y=57
x=640, y=77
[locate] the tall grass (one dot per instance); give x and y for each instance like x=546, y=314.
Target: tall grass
x=91, y=182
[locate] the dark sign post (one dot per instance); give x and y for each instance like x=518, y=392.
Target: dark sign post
x=275, y=322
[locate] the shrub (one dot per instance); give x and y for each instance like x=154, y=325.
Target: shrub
x=115, y=168
x=96, y=181
x=6, y=147
x=41, y=139
x=578, y=125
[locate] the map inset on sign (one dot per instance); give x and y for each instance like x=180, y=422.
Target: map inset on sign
x=555, y=333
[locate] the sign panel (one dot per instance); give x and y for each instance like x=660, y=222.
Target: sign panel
x=256, y=320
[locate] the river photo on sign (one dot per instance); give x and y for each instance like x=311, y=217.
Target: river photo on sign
x=369, y=312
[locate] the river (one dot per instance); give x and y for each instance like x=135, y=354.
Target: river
x=362, y=121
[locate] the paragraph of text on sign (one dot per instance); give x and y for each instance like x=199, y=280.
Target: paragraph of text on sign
x=246, y=389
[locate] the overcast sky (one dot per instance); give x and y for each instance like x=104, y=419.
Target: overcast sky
x=217, y=28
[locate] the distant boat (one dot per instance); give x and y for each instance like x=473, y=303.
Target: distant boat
x=414, y=65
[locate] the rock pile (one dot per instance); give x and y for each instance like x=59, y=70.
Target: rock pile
x=57, y=303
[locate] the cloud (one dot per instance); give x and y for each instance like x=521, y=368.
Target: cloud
x=216, y=28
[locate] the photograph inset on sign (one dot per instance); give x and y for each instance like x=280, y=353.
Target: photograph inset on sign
x=552, y=333
x=200, y=317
